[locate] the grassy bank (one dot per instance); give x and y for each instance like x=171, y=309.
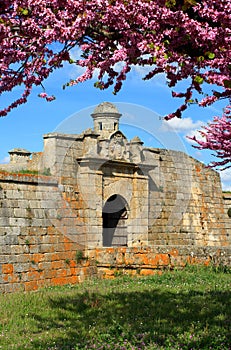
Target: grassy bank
x=188, y=309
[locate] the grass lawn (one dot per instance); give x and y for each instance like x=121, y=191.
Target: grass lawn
x=189, y=309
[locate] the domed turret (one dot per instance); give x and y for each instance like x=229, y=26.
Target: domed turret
x=106, y=119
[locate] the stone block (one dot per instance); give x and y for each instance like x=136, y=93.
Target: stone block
x=40, y=223
x=17, y=222
x=22, y=267
x=47, y=248
x=34, y=248
x=20, y=212
x=13, y=287
x=11, y=239
x=4, y=221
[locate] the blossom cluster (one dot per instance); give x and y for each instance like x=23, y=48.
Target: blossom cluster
x=216, y=136
x=188, y=40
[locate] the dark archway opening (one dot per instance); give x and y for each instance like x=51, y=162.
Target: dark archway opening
x=115, y=222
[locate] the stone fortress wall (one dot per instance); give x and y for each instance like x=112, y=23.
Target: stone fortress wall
x=227, y=206
x=97, y=204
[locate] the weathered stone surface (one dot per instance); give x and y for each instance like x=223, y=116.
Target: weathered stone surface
x=110, y=205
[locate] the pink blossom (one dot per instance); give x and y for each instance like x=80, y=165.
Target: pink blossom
x=217, y=137
x=43, y=94
x=188, y=43
x=50, y=98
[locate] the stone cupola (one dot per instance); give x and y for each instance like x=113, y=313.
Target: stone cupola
x=19, y=155
x=106, y=119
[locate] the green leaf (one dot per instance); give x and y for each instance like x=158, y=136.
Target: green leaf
x=210, y=55
x=200, y=58
x=170, y=3
x=188, y=4
x=199, y=80
x=25, y=12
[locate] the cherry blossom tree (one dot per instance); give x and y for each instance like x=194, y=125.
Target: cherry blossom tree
x=216, y=136
x=188, y=40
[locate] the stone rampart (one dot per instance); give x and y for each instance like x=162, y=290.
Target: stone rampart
x=108, y=206
x=42, y=241
x=145, y=261
x=186, y=207
x=36, y=249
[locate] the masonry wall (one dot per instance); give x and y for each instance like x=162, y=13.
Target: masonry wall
x=46, y=239
x=144, y=261
x=185, y=198
x=41, y=237
x=227, y=206
x=186, y=204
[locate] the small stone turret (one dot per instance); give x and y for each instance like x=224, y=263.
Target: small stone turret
x=106, y=119
x=19, y=155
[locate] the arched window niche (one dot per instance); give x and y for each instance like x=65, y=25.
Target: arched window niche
x=115, y=215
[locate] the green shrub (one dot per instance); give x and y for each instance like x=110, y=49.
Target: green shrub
x=79, y=256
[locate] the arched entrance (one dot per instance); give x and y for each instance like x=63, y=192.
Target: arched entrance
x=115, y=214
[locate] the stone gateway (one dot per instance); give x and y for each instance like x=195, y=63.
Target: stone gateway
x=97, y=203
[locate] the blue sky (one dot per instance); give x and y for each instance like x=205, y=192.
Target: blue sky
x=142, y=104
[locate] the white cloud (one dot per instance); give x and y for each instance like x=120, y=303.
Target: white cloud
x=184, y=125
x=193, y=133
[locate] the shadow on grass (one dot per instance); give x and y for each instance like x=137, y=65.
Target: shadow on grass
x=193, y=320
